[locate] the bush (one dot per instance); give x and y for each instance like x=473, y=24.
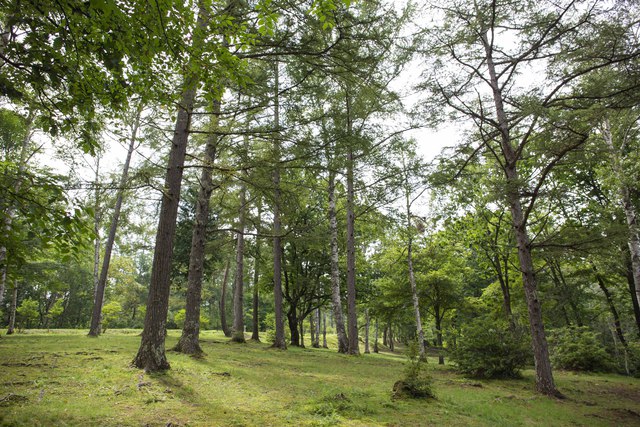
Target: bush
x=416, y=382
x=487, y=349
x=578, y=349
x=112, y=316
x=28, y=312
x=631, y=360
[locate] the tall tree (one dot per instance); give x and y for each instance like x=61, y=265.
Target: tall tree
x=279, y=341
x=618, y=142
x=189, y=340
x=151, y=354
x=238, y=296
x=485, y=63
x=96, y=319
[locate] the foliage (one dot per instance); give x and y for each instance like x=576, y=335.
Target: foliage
x=578, y=348
x=112, y=315
x=180, y=315
x=488, y=349
x=28, y=312
x=416, y=382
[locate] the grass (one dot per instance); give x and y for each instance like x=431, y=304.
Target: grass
x=63, y=378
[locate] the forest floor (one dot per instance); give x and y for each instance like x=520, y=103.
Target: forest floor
x=63, y=378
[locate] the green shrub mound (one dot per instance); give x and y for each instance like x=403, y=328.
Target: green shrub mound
x=578, y=349
x=416, y=383
x=486, y=349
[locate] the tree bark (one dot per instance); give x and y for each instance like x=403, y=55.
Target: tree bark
x=367, y=321
x=96, y=317
x=385, y=336
x=376, y=349
x=151, y=354
x=324, y=329
x=336, y=299
x=294, y=329
x=277, y=226
x=316, y=342
x=301, y=323
x=255, y=335
x=503, y=278
x=223, y=297
x=96, y=229
x=544, y=376
x=412, y=277
x=12, y=309
x=238, y=297
x=632, y=289
x=439, y=338
x=351, y=244
x=189, y=342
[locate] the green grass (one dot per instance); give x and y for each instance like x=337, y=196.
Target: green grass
x=59, y=378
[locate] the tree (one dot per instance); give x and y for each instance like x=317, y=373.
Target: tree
x=95, y=328
x=151, y=355
x=485, y=65
x=189, y=340
x=618, y=142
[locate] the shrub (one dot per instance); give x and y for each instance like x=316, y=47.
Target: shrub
x=416, y=382
x=112, y=315
x=28, y=312
x=488, y=349
x=578, y=349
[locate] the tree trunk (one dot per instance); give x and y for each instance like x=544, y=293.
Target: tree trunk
x=255, y=335
x=627, y=205
x=390, y=338
x=277, y=226
x=12, y=309
x=367, y=321
x=223, y=297
x=503, y=278
x=439, y=338
x=412, y=277
x=96, y=229
x=316, y=342
x=301, y=323
x=324, y=329
x=238, y=297
x=632, y=289
x=612, y=307
x=376, y=349
x=336, y=299
x=312, y=330
x=189, y=342
x=96, y=317
x=544, y=376
x=385, y=337
x=294, y=328
x=151, y=354
x=351, y=244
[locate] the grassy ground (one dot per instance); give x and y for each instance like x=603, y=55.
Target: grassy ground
x=62, y=378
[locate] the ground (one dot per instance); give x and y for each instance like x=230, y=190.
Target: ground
x=61, y=378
